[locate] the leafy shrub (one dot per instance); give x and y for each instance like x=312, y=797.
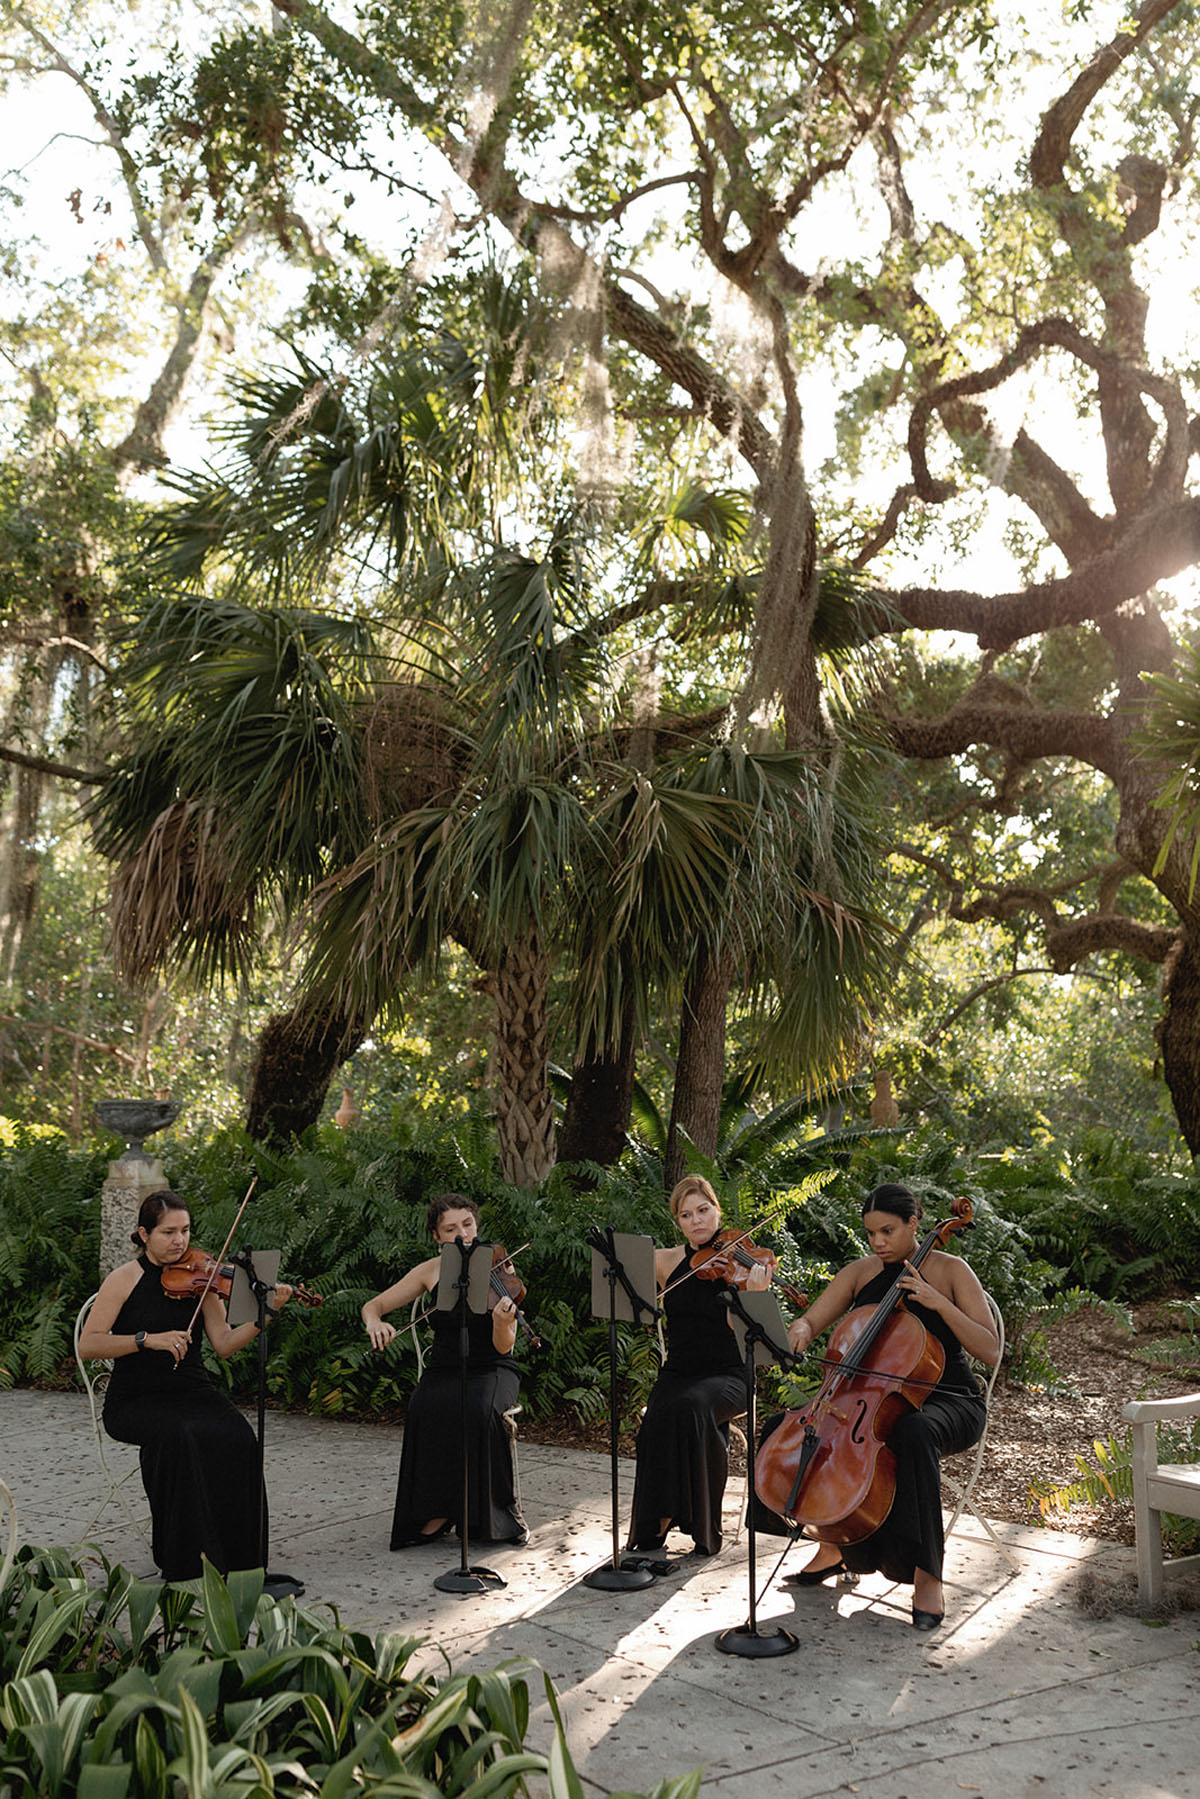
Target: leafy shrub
x=49, y=1236
x=125, y=1687
x=347, y=1210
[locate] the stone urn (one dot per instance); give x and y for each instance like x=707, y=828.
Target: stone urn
x=132, y=1175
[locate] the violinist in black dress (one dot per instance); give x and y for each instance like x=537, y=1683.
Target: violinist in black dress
x=199, y=1456
x=429, y=1489
x=683, y=1443
x=946, y=1297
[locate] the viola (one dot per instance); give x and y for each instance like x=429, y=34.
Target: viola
x=505, y=1283
x=197, y=1273
x=730, y=1258
x=827, y=1468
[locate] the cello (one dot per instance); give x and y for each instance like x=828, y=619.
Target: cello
x=827, y=1469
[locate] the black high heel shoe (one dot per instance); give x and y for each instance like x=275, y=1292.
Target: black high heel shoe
x=812, y=1577
x=926, y=1620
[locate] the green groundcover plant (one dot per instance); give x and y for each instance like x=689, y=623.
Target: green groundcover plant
x=116, y=1688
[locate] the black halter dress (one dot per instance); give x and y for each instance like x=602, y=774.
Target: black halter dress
x=199, y=1456
x=683, y=1444
x=431, y=1463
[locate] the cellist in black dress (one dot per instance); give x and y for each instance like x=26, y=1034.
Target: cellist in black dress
x=946, y=1297
x=199, y=1456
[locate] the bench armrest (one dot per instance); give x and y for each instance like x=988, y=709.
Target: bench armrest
x=1151, y=1411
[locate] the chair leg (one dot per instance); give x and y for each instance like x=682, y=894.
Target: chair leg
x=737, y=1433
x=510, y=1419
x=964, y=1505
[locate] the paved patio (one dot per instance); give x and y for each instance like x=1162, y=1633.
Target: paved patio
x=1019, y=1693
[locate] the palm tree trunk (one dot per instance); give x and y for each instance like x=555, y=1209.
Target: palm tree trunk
x=298, y=1052
x=521, y=1088
x=595, y=1125
x=700, y=1068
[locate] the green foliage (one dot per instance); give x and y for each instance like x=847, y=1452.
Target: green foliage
x=1030, y=1360
x=1170, y=738
x=1093, y=1207
x=1109, y=1476
x=114, y=1687
x=347, y=1210
x=49, y=1232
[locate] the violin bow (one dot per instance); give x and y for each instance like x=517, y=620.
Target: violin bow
x=213, y=1271
x=737, y=1242
x=504, y=1262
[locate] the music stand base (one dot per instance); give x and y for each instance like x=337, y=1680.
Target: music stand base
x=282, y=1586
x=469, y=1580
x=744, y=1641
x=618, y=1580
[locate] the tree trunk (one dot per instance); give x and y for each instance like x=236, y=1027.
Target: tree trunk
x=297, y=1054
x=595, y=1125
x=521, y=1086
x=1179, y=1039
x=700, y=1069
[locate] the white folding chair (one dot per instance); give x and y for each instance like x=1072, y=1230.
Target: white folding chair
x=94, y=1375
x=962, y=1490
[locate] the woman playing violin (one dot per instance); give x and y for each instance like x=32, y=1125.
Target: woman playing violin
x=429, y=1491
x=199, y=1456
x=683, y=1443
x=946, y=1297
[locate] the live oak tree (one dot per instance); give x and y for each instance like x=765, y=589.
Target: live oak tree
x=917, y=209
x=595, y=137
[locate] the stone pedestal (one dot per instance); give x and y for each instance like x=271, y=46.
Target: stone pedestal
x=133, y=1175
x=130, y=1178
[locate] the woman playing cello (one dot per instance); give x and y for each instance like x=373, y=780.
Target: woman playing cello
x=683, y=1444
x=946, y=1297
x=429, y=1490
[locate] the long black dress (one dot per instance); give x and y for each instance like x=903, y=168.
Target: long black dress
x=951, y=1418
x=199, y=1456
x=430, y=1483
x=683, y=1444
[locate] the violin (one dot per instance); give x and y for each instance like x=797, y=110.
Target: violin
x=197, y=1273
x=730, y=1258
x=505, y=1283
x=827, y=1469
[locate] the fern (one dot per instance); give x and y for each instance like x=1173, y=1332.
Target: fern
x=1029, y=1361
x=1110, y=1478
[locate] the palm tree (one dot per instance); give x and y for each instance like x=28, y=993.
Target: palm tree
x=467, y=771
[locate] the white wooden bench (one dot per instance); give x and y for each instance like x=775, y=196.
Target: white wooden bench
x=1157, y=1488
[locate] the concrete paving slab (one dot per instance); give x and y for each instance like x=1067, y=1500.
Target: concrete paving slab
x=1021, y=1693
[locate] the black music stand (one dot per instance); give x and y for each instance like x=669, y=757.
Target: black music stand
x=255, y=1273
x=619, y=1260
x=464, y=1281
x=762, y=1338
